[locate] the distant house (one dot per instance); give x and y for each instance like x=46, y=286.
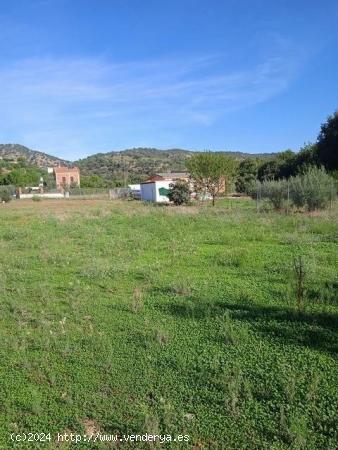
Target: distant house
x=173, y=176
x=155, y=190
x=66, y=176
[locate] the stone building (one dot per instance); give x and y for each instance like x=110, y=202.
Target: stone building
x=66, y=176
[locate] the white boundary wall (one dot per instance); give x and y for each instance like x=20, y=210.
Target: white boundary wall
x=47, y=195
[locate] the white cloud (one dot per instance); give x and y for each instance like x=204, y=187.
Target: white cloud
x=53, y=103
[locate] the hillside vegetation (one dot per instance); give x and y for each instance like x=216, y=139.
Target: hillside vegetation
x=14, y=152
x=137, y=163
x=117, y=167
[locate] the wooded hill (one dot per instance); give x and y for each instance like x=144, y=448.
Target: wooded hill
x=133, y=164
x=137, y=163
x=15, y=152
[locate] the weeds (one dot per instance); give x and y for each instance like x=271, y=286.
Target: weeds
x=137, y=302
x=162, y=337
x=300, y=276
x=227, y=330
x=234, y=259
x=298, y=431
x=237, y=390
x=180, y=289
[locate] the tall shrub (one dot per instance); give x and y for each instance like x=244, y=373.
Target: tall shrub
x=318, y=186
x=179, y=193
x=5, y=194
x=275, y=191
x=313, y=189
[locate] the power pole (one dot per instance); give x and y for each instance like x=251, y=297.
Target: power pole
x=288, y=203
x=125, y=175
x=257, y=195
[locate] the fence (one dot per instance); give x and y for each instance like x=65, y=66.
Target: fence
x=83, y=193
x=117, y=193
x=103, y=193
x=284, y=194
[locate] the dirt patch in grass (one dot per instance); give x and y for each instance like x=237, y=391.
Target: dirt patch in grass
x=91, y=427
x=60, y=209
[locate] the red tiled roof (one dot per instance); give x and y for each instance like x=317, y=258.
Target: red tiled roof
x=173, y=175
x=153, y=178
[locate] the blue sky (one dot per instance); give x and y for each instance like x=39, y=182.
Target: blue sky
x=79, y=77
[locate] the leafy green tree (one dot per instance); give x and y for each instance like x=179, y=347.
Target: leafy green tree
x=283, y=165
x=286, y=164
x=306, y=158
x=327, y=143
x=179, y=193
x=211, y=172
x=93, y=181
x=23, y=176
x=247, y=174
x=268, y=170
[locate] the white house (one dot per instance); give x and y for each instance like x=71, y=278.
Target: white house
x=155, y=191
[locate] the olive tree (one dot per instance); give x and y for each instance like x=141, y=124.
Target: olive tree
x=211, y=173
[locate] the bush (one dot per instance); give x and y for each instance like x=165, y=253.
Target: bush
x=244, y=185
x=313, y=190
x=179, y=193
x=5, y=194
x=318, y=187
x=275, y=192
x=297, y=192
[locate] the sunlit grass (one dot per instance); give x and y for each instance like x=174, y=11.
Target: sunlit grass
x=141, y=318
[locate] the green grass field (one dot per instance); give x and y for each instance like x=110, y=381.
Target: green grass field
x=125, y=318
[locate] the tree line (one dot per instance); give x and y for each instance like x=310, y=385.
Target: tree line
x=322, y=153
x=311, y=172
x=215, y=173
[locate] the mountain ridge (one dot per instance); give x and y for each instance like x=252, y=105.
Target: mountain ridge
x=12, y=152
x=135, y=163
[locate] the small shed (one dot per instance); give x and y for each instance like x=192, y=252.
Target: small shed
x=155, y=191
